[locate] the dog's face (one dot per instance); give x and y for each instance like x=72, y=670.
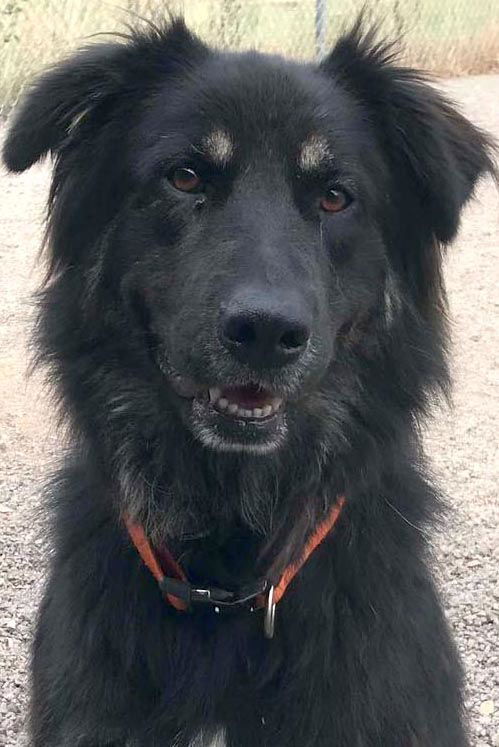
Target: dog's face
x=265, y=230
x=253, y=241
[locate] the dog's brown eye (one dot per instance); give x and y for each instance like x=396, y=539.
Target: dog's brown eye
x=186, y=180
x=335, y=200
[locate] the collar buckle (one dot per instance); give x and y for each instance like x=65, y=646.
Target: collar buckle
x=220, y=598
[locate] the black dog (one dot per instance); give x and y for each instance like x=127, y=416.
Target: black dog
x=245, y=320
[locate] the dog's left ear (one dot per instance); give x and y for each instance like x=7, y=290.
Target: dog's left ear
x=93, y=85
x=424, y=135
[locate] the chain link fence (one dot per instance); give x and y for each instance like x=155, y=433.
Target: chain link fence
x=451, y=37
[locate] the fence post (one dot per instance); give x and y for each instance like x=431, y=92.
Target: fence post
x=320, y=28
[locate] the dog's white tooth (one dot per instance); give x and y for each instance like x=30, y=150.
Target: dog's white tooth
x=222, y=403
x=276, y=402
x=266, y=411
x=257, y=412
x=215, y=393
x=232, y=408
x=246, y=413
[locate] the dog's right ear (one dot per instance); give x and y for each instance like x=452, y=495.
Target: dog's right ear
x=88, y=83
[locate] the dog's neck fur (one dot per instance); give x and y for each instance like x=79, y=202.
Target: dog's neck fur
x=228, y=512
x=218, y=511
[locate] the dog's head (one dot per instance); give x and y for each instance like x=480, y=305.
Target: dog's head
x=247, y=245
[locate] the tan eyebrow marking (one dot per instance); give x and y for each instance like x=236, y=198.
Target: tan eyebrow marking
x=313, y=153
x=219, y=147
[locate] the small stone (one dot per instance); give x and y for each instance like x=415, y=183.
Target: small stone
x=487, y=708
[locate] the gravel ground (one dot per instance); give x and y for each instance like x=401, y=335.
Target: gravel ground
x=462, y=442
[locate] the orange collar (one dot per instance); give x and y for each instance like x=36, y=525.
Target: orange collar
x=181, y=594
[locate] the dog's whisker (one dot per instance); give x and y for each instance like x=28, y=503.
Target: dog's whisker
x=407, y=521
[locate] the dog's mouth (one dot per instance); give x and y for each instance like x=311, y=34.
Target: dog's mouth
x=231, y=417
x=246, y=401
x=249, y=402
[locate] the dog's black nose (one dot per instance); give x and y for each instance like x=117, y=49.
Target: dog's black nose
x=264, y=332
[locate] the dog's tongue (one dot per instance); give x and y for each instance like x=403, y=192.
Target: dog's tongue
x=248, y=397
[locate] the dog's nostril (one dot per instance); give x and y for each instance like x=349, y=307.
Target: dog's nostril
x=294, y=339
x=240, y=331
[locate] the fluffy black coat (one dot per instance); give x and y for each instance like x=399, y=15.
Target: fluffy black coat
x=317, y=194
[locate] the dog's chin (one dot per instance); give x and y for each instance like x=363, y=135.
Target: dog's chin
x=223, y=431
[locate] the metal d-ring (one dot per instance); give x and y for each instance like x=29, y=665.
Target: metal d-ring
x=269, y=620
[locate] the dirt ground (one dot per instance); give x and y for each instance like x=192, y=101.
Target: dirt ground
x=462, y=442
